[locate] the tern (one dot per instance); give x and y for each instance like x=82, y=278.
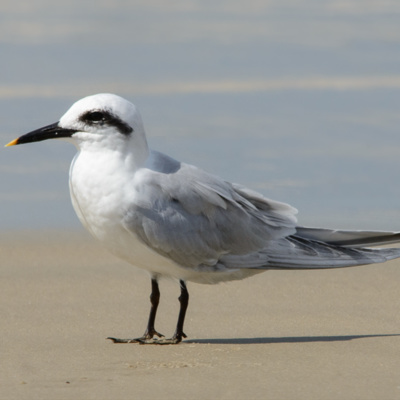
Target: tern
x=176, y=220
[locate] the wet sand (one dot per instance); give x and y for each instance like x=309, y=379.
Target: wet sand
x=279, y=335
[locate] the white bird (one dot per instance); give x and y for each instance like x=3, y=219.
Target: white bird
x=175, y=220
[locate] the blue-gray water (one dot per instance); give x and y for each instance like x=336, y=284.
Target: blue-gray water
x=296, y=99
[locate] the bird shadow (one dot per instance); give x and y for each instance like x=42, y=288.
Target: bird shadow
x=289, y=339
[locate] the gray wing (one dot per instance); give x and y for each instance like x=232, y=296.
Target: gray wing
x=203, y=222
x=195, y=218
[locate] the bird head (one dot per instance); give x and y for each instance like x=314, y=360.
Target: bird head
x=105, y=119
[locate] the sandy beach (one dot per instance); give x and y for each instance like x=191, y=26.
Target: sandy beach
x=279, y=335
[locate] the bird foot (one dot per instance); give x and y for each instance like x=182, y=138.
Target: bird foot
x=148, y=336
x=177, y=338
x=147, y=339
x=117, y=340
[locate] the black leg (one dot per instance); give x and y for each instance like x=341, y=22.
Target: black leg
x=179, y=334
x=150, y=331
x=148, y=337
x=184, y=300
x=154, y=300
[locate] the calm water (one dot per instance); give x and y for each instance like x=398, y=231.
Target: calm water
x=297, y=99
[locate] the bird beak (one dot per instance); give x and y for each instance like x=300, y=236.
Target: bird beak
x=52, y=131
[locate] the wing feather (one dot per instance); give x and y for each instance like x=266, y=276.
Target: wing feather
x=195, y=218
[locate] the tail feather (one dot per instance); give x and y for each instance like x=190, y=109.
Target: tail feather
x=353, y=239
x=310, y=254
x=295, y=252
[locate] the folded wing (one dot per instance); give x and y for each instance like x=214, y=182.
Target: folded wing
x=202, y=222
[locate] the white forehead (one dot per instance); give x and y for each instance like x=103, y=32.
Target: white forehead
x=117, y=105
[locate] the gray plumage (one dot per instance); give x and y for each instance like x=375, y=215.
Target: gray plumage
x=202, y=222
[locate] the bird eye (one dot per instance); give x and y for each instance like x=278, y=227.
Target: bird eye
x=102, y=118
x=96, y=116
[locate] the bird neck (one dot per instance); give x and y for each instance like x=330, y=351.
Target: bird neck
x=132, y=153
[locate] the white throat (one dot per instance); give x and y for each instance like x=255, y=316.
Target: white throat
x=102, y=180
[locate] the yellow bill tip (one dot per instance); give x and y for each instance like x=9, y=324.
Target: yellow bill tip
x=12, y=143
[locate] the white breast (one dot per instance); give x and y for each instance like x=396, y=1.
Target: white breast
x=100, y=198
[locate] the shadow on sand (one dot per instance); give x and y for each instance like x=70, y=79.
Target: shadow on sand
x=295, y=339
